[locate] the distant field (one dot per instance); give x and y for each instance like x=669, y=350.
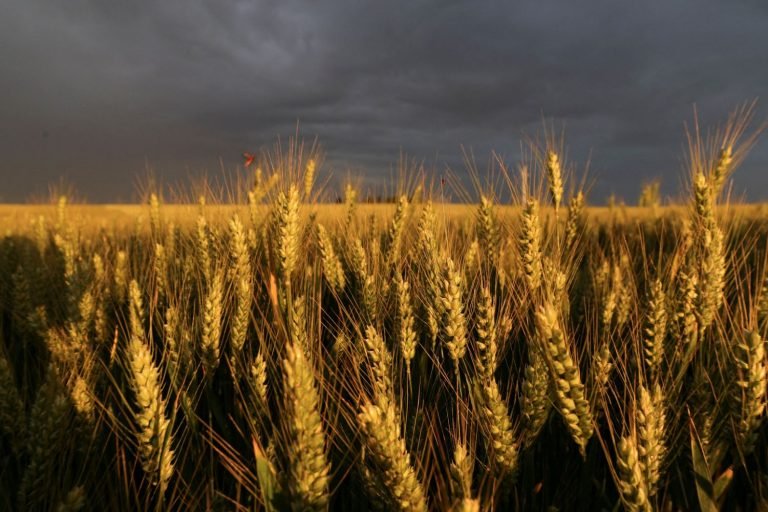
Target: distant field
x=111, y=215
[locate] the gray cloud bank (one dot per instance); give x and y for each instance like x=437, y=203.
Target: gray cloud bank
x=97, y=90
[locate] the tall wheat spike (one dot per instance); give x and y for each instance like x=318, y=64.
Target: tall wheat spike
x=210, y=341
x=380, y=427
x=713, y=266
x=536, y=403
x=631, y=482
x=11, y=408
x=154, y=428
x=203, y=247
x=288, y=232
x=380, y=362
x=651, y=435
x=309, y=178
x=655, y=329
x=49, y=420
x=74, y=500
x=487, y=347
x=406, y=330
x=350, y=200
x=569, y=390
x=497, y=427
x=454, y=323
x=555, y=178
x=332, y=267
x=397, y=230
x=722, y=168
x=487, y=227
x=240, y=269
x=751, y=389
x=575, y=222
x=530, y=244
x=308, y=472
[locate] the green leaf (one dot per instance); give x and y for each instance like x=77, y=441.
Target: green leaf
x=704, y=486
x=267, y=481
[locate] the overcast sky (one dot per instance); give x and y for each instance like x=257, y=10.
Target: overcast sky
x=95, y=91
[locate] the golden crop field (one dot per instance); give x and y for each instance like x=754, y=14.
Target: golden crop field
x=284, y=354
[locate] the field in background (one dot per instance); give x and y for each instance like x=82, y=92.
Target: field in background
x=18, y=217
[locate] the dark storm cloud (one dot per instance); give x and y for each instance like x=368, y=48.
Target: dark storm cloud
x=96, y=90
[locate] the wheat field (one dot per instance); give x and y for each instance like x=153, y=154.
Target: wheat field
x=526, y=353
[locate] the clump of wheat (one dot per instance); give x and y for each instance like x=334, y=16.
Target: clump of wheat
x=73, y=501
x=81, y=396
x=210, y=341
x=154, y=214
x=11, y=408
x=655, y=329
x=203, y=246
x=49, y=420
x=154, y=427
x=487, y=227
x=259, y=379
x=485, y=329
x=555, y=178
x=160, y=264
x=386, y=447
x=497, y=427
x=308, y=466
x=631, y=482
x=530, y=244
x=722, y=167
x=406, y=330
x=651, y=435
x=240, y=269
x=687, y=323
x=762, y=307
x=121, y=275
x=575, y=222
x=713, y=266
x=350, y=200
x=309, y=177
x=751, y=389
x=288, y=233
x=454, y=323
x=332, y=267
x=380, y=363
x=535, y=404
x=461, y=469
x=397, y=230
x=568, y=387
x=602, y=365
